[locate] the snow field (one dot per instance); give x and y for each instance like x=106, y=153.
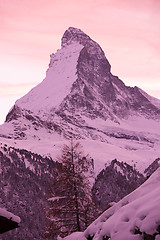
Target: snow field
x=137, y=211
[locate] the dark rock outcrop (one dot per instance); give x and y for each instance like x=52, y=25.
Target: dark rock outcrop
x=114, y=182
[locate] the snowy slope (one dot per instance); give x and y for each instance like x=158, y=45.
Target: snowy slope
x=134, y=217
x=136, y=147
x=58, y=82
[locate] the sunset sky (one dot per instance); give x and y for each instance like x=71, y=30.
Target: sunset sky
x=30, y=30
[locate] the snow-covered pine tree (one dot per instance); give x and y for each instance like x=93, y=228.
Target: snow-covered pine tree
x=71, y=208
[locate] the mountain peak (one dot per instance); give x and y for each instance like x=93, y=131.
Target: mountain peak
x=72, y=35
x=91, y=50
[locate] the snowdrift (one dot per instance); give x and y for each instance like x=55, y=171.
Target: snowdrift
x=135, y=217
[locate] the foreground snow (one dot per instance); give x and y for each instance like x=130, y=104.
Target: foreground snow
x=8, y=215
x=139, y=212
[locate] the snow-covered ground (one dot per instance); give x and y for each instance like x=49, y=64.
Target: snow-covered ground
x=135, y=215
x=6, y=214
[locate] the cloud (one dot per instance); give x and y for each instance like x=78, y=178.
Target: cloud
x=15, y=90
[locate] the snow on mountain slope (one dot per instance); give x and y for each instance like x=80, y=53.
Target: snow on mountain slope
x=133, y=152
x=135, y=217
x=58, y=82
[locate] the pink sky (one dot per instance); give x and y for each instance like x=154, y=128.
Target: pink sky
x=127, y=30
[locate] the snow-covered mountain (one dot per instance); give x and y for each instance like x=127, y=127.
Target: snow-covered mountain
x=135, y=217
x=81, y=97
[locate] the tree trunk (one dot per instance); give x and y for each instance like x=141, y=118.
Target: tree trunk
x=77, y=209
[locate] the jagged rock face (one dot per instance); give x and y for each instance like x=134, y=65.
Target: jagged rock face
x=93, y=49
x=14, y=113
x=152, y=167
x=114, y=182
x=93, y=92
x=93, y=88
x=96, y=92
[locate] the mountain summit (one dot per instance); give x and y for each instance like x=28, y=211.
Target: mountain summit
x=80, y=96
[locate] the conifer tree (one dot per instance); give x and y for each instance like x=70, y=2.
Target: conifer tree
x=71, y=207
